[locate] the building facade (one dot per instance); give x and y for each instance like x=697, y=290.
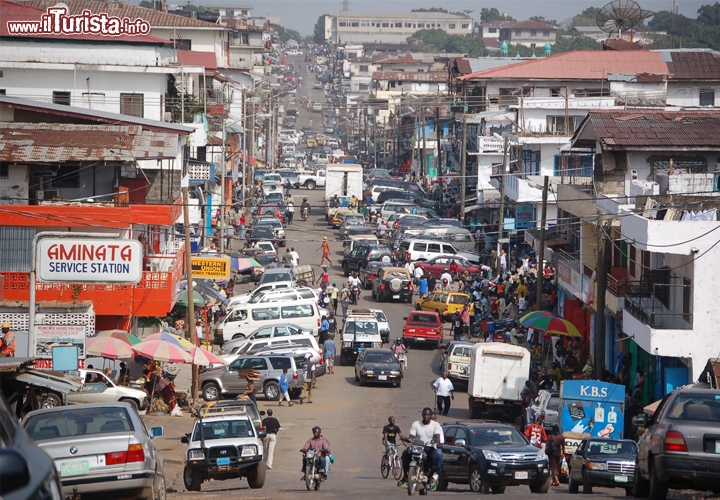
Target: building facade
x=390, y=27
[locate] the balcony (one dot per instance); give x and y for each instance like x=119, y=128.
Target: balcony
x=647, y=304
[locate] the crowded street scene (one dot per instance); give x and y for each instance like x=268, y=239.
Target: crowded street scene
x=493, y=229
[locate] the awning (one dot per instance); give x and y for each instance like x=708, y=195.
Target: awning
x=477, y=118
x=52, y=380
x=473, y=207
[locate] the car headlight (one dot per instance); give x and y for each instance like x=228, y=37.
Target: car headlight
x=492, y=455
x=196, y=455
x=597, y=465
x=249, y=451
x=346, y=344
x=541, y=455
x=368, y=372
x=394, y=372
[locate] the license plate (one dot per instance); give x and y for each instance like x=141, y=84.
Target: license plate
x=621, y=479
x=396, y=296
x=74, y=468
x=420, y=339
x=382, y=377
x=223, y=461
x=521, y=474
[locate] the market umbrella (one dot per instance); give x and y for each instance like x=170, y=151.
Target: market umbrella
x=554, y=326
x=202, y=357
x=163, y=351
x=175, y=339
x=126, y=337
x=210, y=293
x=532, y=316
x=108, y=347
x=182, y=299
x=243, y=263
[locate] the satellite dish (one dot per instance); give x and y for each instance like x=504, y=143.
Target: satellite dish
x=621, y=15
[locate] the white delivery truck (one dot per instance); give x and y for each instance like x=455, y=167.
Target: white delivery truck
x=343, y=180
x=498, y=373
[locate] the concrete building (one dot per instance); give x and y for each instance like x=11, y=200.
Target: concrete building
x=528, y=33
x=490, y=32
x=390, y=27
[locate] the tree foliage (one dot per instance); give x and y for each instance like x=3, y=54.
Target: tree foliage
x=319, y=30
x=575, y=43
x=585, y=18
x=440, y=41
x=492, y=14
x=686, y=32
x=541, y=19
x=440, y=10
x=286, y=34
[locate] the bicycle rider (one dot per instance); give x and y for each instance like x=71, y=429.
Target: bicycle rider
x=390, y=433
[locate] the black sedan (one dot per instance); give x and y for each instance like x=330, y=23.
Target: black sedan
x=378, y=365
x=609, y=463
x=368, y=273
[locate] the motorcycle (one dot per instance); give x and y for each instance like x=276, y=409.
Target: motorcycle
x=402, y=359
x=305, y=213
x=417, y=480
x=355, y=294
x=315, y=473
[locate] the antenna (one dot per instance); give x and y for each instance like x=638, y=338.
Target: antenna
x=621, y=15
x=346, y=5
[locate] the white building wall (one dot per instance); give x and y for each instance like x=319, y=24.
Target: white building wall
x=687, y=94
x=202, y=39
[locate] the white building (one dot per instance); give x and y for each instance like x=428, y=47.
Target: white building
x=349, y=26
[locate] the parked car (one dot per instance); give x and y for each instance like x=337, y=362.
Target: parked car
x=605, y=462
x=455, y=360
x=368, y=273
x=393, y=283
x=680, y=445
x=437, y=265
x=271, y=209
x=492, y=456
x=361, y=255
x=423, y=328
x=378, y=365
x=100, y=450
x=264, y=332
x=445, y=303
x=99, y=388
x=545, y=410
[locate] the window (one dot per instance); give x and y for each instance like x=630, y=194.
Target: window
x=363, y=69
x=694, y=166
x=354, y=24
x=492, y=30
x=264, y=333
x=449, y=249
x=408, y=25
x=434, y=247
x=633, y=259
x=518, y=32
x=342, y=24
x=432, y=25
x=301, y=311
x=451, y=26
x=4, y=171
x=265, y=313
x=556, y=125
x=397, y=24
x=533, y=32
x=546, y=33
x=67, y=177
x=2, y=92
x=181, y=44
x=707, y=98
x=421, y=25
x=61, y=98
x=364, y=23
x=385, y=25
x=555, y=92
x=364, y=86
x=465, y=26
x=687, y=299
x=131, y=104
x=280, y=363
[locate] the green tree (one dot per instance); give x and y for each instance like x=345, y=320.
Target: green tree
x=709, y=14
x=440, y=41
x=541, y=19
x=585, y=18
x=672, y=24
x=564, y=44
x=147, y=4
x=431, y=9
x=286, y=34
x=319, y=30
x=492, y=14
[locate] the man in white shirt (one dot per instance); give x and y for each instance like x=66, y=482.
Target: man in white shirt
x=444, y=392
x=295, y=257
x=418, y=273
x=446, y=279
x=428, y=431
x=353, y=280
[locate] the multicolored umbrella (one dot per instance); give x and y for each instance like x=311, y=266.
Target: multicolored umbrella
x=126, y=337
x=554, y=326
x=243, y=264
x=182, y=299
x=175, y=339
x=202, y=357
x=163, y=351
x=108, y=347
x=532, y=316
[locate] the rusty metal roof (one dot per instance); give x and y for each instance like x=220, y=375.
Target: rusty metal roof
x=14, y=364
x=411, y=76
x=620, y=130
x=694, y=65
x=64, y=142
x=529, y=25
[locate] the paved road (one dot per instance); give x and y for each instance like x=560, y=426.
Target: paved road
x=351, y=416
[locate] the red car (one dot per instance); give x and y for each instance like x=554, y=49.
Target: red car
x=437, y=265
x=423, y=327
x=273, y=210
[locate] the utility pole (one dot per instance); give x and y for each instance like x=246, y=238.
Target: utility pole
x=501, y=217
x=190, y=291
x=601, y=287
x=243, y=150
x=374, y=139
x=221, y=221
x=423, y=158
x=541, y=250
x=462, y=169
x=439, y=151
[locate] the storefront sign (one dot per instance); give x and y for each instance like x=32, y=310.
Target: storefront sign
x=564, y=273
x=524, y=216
x=212, y=268
x=89, y=260
x=49, y=336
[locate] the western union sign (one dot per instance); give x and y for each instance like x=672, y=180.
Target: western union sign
x=213, y=268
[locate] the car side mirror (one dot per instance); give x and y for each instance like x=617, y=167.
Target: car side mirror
x=262, y=412
x=262, y=434
x=156, y=432
x=184, y=439
x=460, y=442
x=14, y=472
x=405, y=318
x=640, y=420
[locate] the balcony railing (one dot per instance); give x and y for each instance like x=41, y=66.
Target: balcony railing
x=649, y=308
x=618, y=283
x=570, y=259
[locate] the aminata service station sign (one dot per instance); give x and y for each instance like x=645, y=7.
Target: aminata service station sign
x=89, y=260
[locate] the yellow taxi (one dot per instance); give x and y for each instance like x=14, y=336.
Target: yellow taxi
x=445, y=303
x=339, y=216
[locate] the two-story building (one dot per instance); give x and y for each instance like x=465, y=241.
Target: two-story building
x=528, y=33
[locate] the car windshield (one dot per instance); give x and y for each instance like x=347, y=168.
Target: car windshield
x=380, y=316
x=496, y=436
x=612, y=449
x=269, y=222
x=424, y=319
x=273, y=277
x=404, y=274
x=78, y=422
x=380, y=357
x=361, y=328
x=224, y=429
x=458, y=299
x=699, y=407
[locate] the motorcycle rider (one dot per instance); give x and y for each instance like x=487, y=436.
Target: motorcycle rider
x=428, y=431
x=319, y=444
x=399, y=350
x=305, y=206
x=354, y=285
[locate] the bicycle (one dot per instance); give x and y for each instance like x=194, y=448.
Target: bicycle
x=391, y=461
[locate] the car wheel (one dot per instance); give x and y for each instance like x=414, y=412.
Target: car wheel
x=160, y=492
x=629, y=492
x=357, y=379
x=272, y=391
x=498, y=490
x=477, y=485
x=343, y=360
x=541, y=487
x=310, y=185
x=238, y=336
x=573, y=486
x=192, y=479
x=442, y=483
x=587, y=485
x=211, y=392
x=398, y=383
x=256, y=477
x=132, y=403
x=52, y=401
x=658, y=488
x=640, y=485
x=346, y=271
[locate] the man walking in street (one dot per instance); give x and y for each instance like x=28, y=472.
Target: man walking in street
x=444, y=392
x=272, y=426
x=309, y=380
x=344, y=300
x=284, y=384
x=287, y=259
x=325, y=247
x=330, y=351
x=334, y=296
x=295, y=256
x=242, y=226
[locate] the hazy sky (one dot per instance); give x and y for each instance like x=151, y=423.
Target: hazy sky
x=301, y=15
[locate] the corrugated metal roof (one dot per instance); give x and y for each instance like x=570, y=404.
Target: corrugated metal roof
x=63, y=142
x=694, y=65
x=656, y=129
x=192, y=58
x=408, y=57
x=156, y=18
x=52, y=380
x=411, y=76
x=529, y=25
x=577, y=65
x=14, y=364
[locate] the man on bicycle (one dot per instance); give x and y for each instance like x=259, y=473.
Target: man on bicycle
x=390, y=433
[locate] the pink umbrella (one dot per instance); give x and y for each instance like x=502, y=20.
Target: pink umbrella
x=108, y=347
x=202, y=357
x=163, y=351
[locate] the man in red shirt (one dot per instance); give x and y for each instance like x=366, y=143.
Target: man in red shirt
x=536, y=434
x=319, y=444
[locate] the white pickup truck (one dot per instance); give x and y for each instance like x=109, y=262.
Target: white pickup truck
x=310, y=180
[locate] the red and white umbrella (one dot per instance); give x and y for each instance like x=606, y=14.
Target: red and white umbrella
x=202, y=357
x=108, y=347
x=163, y=351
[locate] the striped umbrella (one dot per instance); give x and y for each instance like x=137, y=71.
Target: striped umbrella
x=108, y=347
x=202, y=357
x=163, y=351
x=532, y=316
x=126, y=337
x=555, y=326
x=174, y=339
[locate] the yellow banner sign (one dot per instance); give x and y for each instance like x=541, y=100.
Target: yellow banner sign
x=213, y=268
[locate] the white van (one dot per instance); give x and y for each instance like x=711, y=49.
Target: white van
x=415, y=250
x=284, y=294
x=244, y=319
